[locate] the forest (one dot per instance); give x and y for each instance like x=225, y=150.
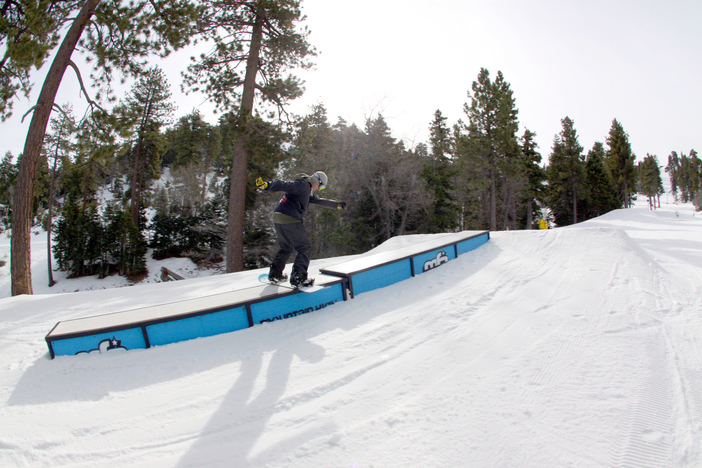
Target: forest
x=180, y=186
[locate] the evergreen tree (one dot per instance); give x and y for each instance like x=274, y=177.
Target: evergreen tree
x=8, y=174
x=199, y=236
x=124, y=242
x=119, y=36
x=440, y=138
x=147, y=109
x=58, y=146
x=650, y=183
x=490, y=150
x=695, y=174
x=566, y=175
x=232, y=76
x=620, y=161
x=439, y=173
x=78, y=240
x=601, y=192
x=94, y=153
x=196, y=145
x=28, y=32
x=685, y=175
x=265, y=146
x=313, y=145
x=536, y=177
x=671, y=169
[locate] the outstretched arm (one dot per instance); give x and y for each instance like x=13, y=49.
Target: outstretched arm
x=339, y=205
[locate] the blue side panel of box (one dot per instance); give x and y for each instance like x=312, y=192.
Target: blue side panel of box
x=296, y=304
x=430, y=260
x=210, y=324
x=472, y=244
x=132, y=338
x=381, y=276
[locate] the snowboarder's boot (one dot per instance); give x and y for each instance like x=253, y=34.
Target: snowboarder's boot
x=277, y=278
x=301, y=281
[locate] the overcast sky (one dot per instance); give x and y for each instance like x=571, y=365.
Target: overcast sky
x=638, y=61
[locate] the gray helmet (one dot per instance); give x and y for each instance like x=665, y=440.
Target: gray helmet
x=320, y=178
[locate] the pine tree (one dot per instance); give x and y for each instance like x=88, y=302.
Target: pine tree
x=672, y=169
x=8, y=174
x=650, y=183
x=28, y=32
x=94, y=152
x=232, y=76
x=439, y=172
x=196, y=145
x=620, y=161
x=566, y=174
x=124, y=242
x=119, y=37
x=491, y=149
x=536, y=177
x=696, y=174
x=58, y=146
x=78, y=247
x=601, y=192
x=147, y=108
x=685, y=175
x=313, y=144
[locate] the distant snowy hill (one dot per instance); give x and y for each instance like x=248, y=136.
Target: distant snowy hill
x=578, y=346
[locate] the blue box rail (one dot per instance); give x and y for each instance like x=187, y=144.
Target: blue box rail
x=236, y=310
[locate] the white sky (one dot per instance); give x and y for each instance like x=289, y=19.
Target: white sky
x=634, y=60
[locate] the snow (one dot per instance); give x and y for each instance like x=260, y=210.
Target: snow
x=577, y=346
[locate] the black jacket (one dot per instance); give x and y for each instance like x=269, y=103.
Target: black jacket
x=298, y=196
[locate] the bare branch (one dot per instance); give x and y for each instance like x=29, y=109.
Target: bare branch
x=82, y=87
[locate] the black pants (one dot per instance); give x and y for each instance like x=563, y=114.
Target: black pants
x=292, y=237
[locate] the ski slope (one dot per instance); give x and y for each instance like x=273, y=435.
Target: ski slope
x=577, y=346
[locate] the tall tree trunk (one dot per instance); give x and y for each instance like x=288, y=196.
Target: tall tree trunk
x=237, y=192
x=203, y=195
x=21, y=254
x=137, y=173
x=136, y=183
x=493, y=200
x=87, y=183
x=49, y=222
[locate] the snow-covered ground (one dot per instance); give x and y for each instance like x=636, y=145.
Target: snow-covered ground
x=579, y=346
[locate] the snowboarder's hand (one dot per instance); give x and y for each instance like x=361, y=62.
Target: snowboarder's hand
x=341, y=205
x=261, y=184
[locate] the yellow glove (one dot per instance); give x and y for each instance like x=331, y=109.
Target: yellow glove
x=261, y=184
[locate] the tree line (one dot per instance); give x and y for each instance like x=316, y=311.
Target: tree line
x=477, y=173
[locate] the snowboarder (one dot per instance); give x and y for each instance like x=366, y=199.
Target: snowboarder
x=289, y=228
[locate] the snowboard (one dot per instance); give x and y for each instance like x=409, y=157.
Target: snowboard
x=307, y=289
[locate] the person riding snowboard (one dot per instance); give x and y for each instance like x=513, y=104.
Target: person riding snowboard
x=289, y=228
